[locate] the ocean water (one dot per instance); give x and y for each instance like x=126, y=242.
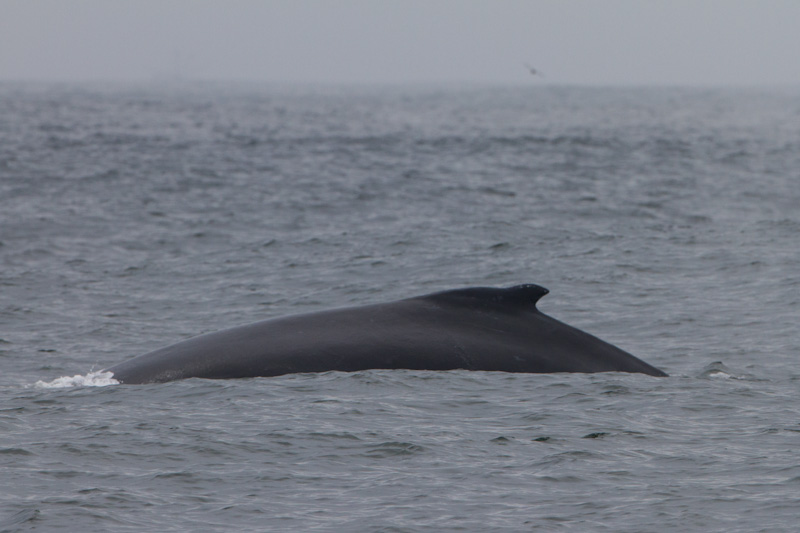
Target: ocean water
x=665, y=221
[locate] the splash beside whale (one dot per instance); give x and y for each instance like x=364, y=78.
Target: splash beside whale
x=494, y=329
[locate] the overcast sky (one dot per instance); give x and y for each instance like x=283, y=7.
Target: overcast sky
x=684, y=42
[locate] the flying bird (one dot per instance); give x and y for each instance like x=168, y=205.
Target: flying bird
x=533, y=71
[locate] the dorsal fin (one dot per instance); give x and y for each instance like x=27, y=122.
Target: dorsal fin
x=517, y=296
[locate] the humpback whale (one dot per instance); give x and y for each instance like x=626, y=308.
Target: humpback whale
x=479, y=328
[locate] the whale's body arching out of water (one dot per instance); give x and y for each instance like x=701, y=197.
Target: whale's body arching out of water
x=473, y=329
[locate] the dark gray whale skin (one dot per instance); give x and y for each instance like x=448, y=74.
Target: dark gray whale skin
x=495, y=329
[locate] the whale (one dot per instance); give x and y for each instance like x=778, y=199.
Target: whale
x=477, y=328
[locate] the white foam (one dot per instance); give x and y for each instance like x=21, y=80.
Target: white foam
x=92, y=379
x=719, y=374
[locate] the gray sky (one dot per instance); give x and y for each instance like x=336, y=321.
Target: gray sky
x=724, y=42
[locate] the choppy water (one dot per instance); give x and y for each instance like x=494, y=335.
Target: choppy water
x=666, y=221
